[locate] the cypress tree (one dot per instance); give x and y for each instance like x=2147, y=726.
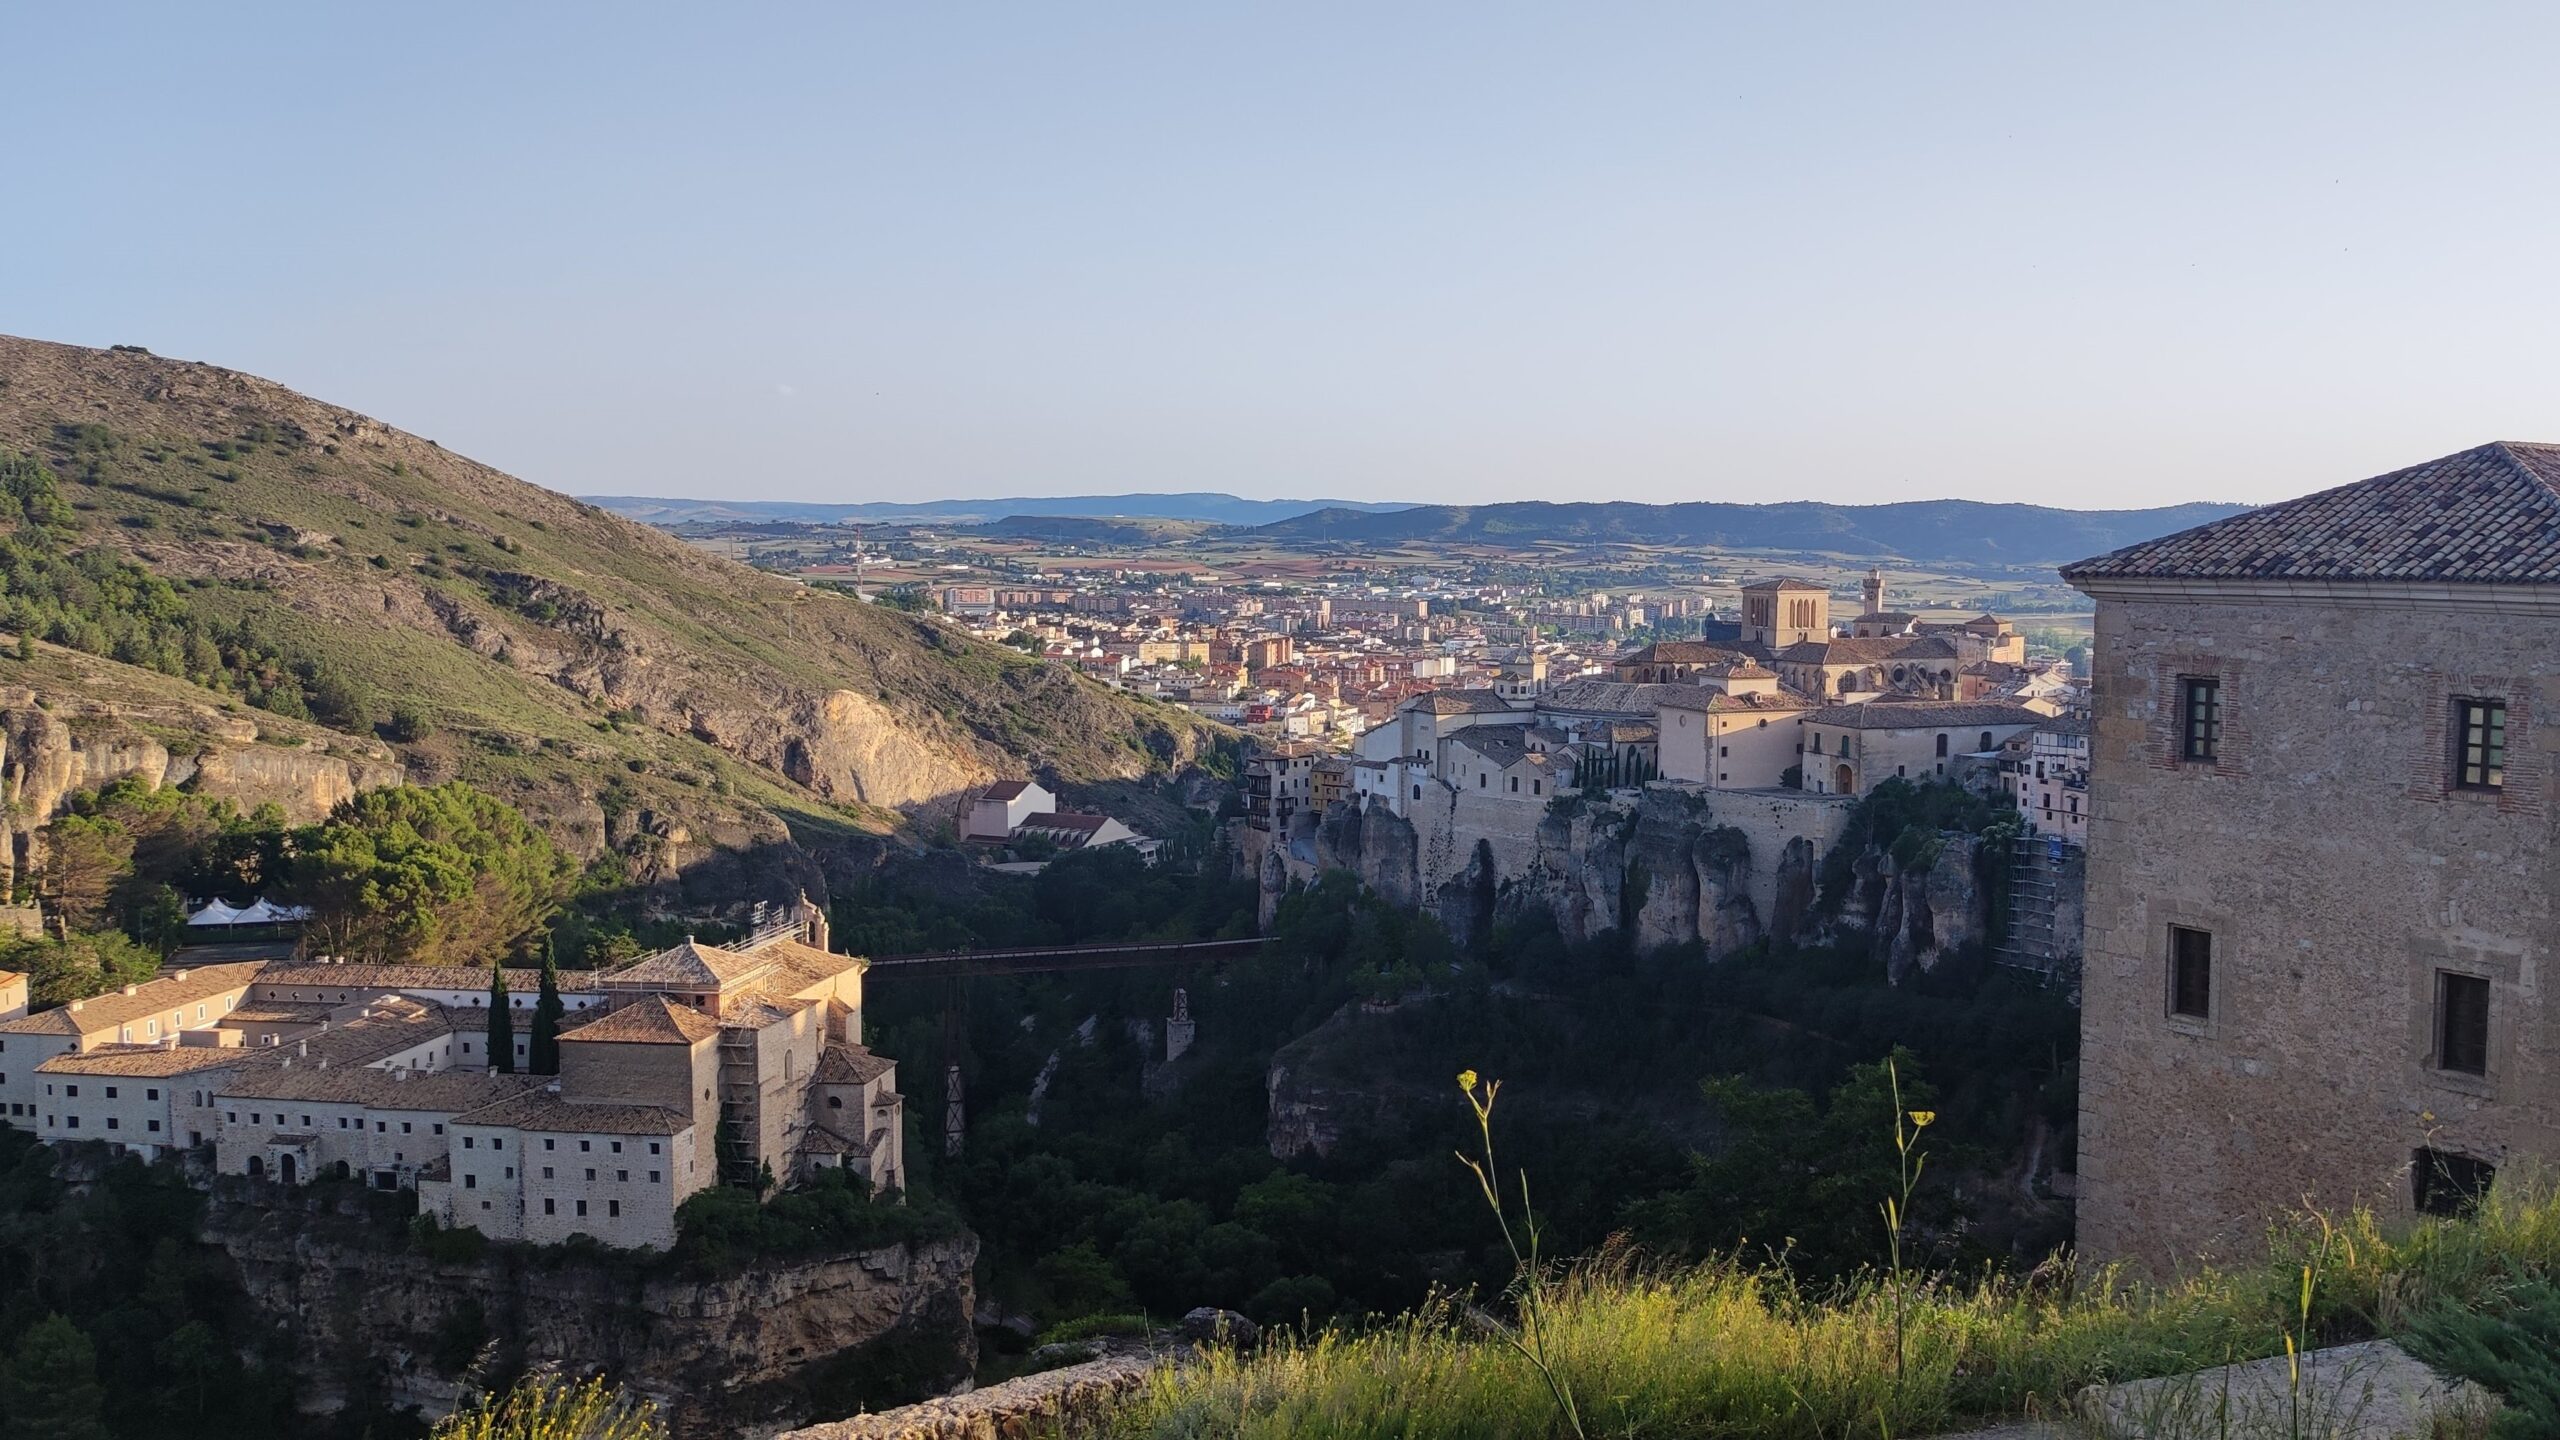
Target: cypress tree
x=546, y=1016
x=502, y=1026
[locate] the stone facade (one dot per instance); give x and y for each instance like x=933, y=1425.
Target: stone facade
x=2338, y=874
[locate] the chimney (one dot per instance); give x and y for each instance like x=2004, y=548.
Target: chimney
x=75, y=1006
x=132, y=989
x=177, y=974
x=552, y=1088
x=301, y=1047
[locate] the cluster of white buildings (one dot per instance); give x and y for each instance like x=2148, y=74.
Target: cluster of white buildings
x=1791, y=702
x=692, y=1065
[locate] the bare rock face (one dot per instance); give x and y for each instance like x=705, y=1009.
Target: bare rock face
x=1916, y=918
x=730, y=1355
x=62, y=739
x=307, y=785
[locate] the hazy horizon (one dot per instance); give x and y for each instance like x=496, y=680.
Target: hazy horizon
x=1443, y=254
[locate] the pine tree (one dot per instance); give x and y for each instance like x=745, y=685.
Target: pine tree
x=502, y=1026
x=546, y=1016
x=50, y=1390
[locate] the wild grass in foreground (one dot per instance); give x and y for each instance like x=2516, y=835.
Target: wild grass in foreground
x=1736, y=1348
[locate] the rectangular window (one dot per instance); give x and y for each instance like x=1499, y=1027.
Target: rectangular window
x=613, y=1208
x=111, y=1092
x=2462, y=1023
x=470, y=1182
x=2480, y=738
x=582, y=1207
x=550, y=1207
x=2190, y=972
x=546, y=1172
x=2200, y=717
x=2448, y=1184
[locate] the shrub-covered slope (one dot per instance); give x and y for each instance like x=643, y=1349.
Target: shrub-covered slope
x=626, y=689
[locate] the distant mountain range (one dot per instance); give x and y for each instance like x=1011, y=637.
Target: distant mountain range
x=1950, y=532
x=1939, y=531
x=1216, y=509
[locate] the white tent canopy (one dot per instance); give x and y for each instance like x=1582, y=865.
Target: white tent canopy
x=259, y=912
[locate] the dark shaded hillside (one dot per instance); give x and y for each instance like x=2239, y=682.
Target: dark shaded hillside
x=1940, y=532
x=629, y=690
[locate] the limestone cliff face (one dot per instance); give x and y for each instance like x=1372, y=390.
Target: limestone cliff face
x=1916, y=917
x=1674, y=866
x=66, y=736
x=735, y=1356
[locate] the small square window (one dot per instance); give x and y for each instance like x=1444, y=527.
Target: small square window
x=2462, y=1023
x=2190, y=973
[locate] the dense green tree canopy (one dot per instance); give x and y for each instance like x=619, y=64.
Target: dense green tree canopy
x=435, y=875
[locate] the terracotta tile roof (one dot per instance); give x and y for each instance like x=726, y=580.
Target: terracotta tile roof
x=150, y=999
x=842, y=1063
x=1678, y=652
x=689, y=966
x=451, y=1092
x=1630, y=700
x=2484, y=516
x=148, y=1060
x=798, y=966
x=1923, y=715
x=541, y=1110
x=352, y=978
x=1460, y=702
x=753, y=1013
x=1064, y=820
x=1868, y=650
x=649, y=1020
x=1005, y=790
x=825, y=1140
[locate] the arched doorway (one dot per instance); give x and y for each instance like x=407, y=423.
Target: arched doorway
x=284, y=1163
x=1842, y=782
x=257, y=1168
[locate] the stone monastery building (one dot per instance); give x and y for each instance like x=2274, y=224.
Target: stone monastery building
x=290, y=1071
x=2322, y=858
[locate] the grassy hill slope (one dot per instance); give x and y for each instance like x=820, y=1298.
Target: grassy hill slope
x=626, y=688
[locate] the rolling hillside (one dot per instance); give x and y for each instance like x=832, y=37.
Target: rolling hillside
x=1953, y=533
x=629, y=690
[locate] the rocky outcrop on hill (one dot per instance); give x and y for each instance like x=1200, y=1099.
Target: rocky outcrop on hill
x=82, y=724
x=737, y=1355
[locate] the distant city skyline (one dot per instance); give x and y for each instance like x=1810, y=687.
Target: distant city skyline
x=1435, y=253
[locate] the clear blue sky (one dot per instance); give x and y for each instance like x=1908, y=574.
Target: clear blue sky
x=2079, y=254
